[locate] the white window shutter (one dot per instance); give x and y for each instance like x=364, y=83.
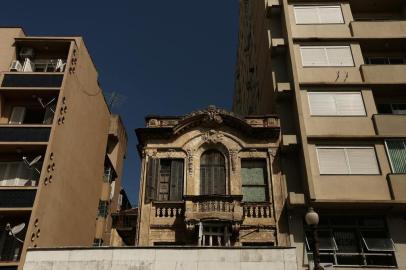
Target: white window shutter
x=362, y=161
x=321, y=103
x=330, y=14
x=349, y=103
x=17, y=115
x=332, y=161
x=313, y=56
x=340, y=56
x=306, y=14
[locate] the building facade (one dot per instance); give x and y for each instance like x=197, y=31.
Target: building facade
x=210, y=178
x=58, y=183
x=334, y=73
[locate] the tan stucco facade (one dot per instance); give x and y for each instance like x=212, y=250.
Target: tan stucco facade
x=64, y=206
x=276, y=80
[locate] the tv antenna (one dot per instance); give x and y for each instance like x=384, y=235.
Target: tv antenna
x=115, y=100
x=31, y=163
x=13, y=231
x=46, y=104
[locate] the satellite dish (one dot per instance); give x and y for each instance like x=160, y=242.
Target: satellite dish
x=35, y=160
x=17, y=229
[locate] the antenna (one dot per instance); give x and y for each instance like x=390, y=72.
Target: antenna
x=45, y=105
x=12, y=231
x=115, y=100
x=31, y=163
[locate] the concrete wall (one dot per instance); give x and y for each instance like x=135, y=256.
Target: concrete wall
x=162, y=258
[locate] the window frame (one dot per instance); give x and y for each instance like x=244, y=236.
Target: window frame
x=265, y=186
x=389, y=156
x=318, y=7
x=363, y=251
x=335, y=93
x=347, y=160
x=326, y=54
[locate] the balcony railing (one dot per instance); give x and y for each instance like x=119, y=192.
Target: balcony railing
x=17, y=198
x=378, y=28
x=19, y=174
x=384, y=74
x=390, y=124
x=223, y=207
x=24, y=134
x=167, y=213
x=397, y=183
x=32, y=80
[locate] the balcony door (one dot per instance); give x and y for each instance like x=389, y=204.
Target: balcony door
x=212, y=173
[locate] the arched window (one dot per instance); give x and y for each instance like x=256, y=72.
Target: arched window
x=212, y=173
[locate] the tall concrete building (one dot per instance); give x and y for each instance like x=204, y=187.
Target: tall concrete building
x=334, y=72
x=61, y=150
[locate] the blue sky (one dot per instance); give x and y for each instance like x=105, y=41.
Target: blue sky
x=165, y=57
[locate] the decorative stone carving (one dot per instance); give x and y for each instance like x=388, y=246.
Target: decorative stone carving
x=233, y=158
x=150, y=152
x=212, y=136
x=236, y=227
x=190, y=161
x=153, y=123
x=190, y=226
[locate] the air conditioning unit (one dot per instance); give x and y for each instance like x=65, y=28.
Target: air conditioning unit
x=29, y=66
x=16, y=66
x=26, y=52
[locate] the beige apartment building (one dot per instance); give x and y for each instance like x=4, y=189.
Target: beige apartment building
x=61, y=150
x=210, y=178
x=334, y=72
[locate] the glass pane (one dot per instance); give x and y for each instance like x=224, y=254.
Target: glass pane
x=377, y=260
x=326, y=241
x=372, y=222
x=253, y=194
x=396, y=60
x=377, y=241
x=253, y=172
x=346, y=241
x=397, y=155
x=378, y=60
x=349, y=260
x=384, y=108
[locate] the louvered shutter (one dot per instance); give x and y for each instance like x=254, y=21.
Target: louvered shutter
x=349, y=104
x=397, y=155
x=176, y=190
x=306, y=14
x=151, y=183
x=330, y=14
x=321, y=103
x=332, y=161
x=362, y=161
x=313, y=56
x=339, y=56
x=203, y=180
x=17, y=115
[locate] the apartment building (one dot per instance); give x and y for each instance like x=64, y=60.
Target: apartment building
x=61, y=150
x=210, y=178
x=334, y=72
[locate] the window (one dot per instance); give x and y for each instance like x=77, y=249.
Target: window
x=17, y=115
x=364, y=241
x=394, y=108
x=318, y=14
x=347, y=160
x=164, y=179
x=212, y=173
x=397, y=155
x=336, y=103
x=103, y=208
x=254, y=180
x=385, y=60
x=321, y=56
x=214, y=234
x=109, y=173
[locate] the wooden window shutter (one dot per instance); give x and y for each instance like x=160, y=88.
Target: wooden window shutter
x=176, y=189
x=212, y=173
x=152, y=177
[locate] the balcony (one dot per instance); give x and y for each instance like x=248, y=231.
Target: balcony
x=257, y=213
x=213, y=207
x=397, y=183
x=384, y=74
x=24, y=133
x=17, y=198
x=167, y=213
x=378, y=29
x=125, y=222
x=390, y=124
x=20, y=173
x=32, y=80
x=10, y=247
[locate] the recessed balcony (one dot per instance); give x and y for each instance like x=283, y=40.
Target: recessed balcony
x=28, y=80
x=390, y=124
x=378, y=29
x=11, y=246
x=24, y=133
x=17, y=198
x=384, y=74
